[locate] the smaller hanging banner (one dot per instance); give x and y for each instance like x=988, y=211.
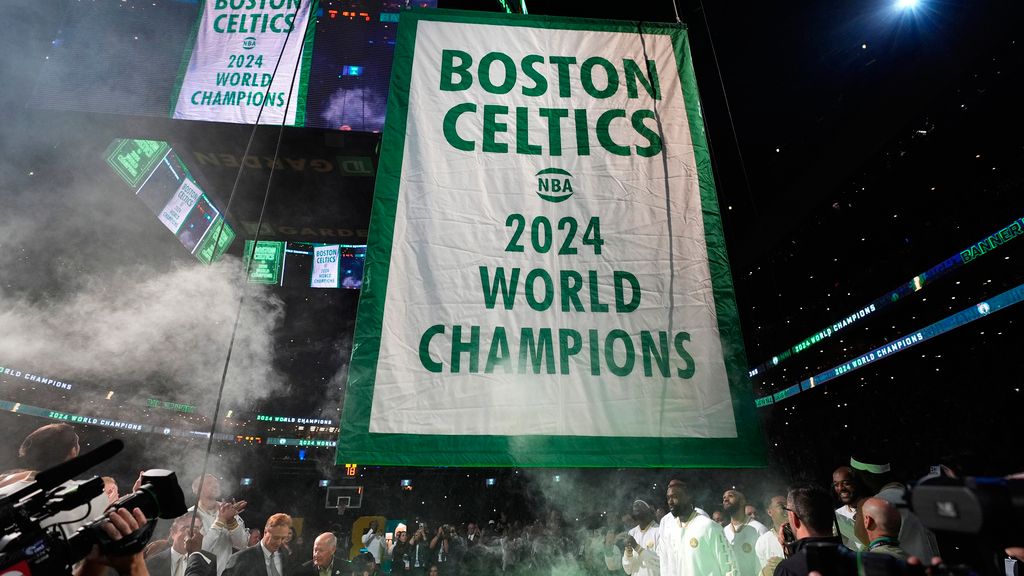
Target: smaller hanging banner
x=325, y=267
x=178, y=207
x=231, y=70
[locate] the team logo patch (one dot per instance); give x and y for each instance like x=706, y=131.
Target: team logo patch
x=693, y=542
x=746, y=547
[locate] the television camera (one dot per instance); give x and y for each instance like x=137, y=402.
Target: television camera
x=34, y=535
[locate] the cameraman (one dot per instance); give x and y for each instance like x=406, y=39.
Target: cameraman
x=46, y=447
x=120, y=523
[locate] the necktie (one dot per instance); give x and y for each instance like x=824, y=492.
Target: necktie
x=272, y=566
x=179, y=566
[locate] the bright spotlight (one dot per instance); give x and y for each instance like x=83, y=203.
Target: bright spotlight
x=907, y=4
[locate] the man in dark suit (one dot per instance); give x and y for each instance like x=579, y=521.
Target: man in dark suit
x=266, y=558
x=324, y=562
x=184, y=557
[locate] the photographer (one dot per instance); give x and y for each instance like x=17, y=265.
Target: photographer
x=448, y=547
x=419, y=554
x=816, y=549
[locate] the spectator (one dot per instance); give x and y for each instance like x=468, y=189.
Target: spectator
x=400, y=552
x=419, y=553
x=175, y=560
x=878, y=526
x=914, y=537
x=269, y=557
x=374, y=542
x=223, y=528
x=110, y=489
x=325, y=560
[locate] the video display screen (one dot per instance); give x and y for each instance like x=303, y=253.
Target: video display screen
x=166, y=186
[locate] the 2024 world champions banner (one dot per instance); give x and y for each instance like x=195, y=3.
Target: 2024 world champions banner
x=546, y=277
x=247, y=59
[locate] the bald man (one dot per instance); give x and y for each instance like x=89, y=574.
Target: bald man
x=324, y=562
x=878, y=527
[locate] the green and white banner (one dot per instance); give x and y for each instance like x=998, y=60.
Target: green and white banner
x=326, y=267
x=178, y=207
x=546, y=279
x=231, y=69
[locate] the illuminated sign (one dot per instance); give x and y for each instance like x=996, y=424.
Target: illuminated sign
x=216, y=242
x=133, y=160
x=166, y=186
x=73, y=418
x=6, y=371
x=175, y=406
x=915, y=284
x=301, y=442
x=994, y=241
x=293, y=420
x=1004, y=300
x=266, y=261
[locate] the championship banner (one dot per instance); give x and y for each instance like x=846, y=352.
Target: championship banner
x=180, y=205
x=546, y=277
x=232, y=64
x=326, y=267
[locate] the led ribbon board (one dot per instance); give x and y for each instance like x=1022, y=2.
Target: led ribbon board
x=975, y=250
x=994, y=304
x=546, y=281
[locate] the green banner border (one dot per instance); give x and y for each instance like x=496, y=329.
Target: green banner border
x=357, y=444
x=307, y=63
x=186, y=58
